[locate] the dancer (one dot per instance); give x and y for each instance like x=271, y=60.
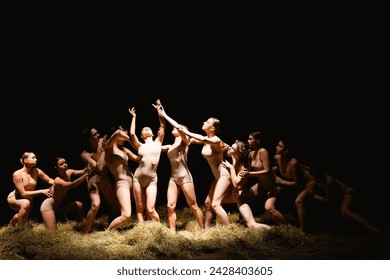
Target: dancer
x=57, y=204
x=239, y=152
x=25, y=182
x=329, y=193
x=181, y=178
x=98, y=181
x=212, y=151
x=145, y=176
x=261, y=170
x=117, y=157
x=290, y=177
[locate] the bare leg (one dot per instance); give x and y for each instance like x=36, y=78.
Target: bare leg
x=124, y=198
x=301, y=209
x=247, y=215
x=151, y=196
x=49, y=219
x=111, y=196
x=210, y=215
x=92, y=212
x=275, y=214
x=346, y=212
x=14, y=219
x=24, y=206
x=221, y=187
x=189, y=193
x=139, y=201
x=172, y=195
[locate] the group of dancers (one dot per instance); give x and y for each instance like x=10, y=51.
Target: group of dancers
x=242, y=172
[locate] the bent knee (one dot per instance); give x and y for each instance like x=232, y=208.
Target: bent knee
x=95, y=207
x=126, y=216
x=25, y=204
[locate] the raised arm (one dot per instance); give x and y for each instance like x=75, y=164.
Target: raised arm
x=164, y=114
x=161, y=129
x=134, y=139
x=175, y=124
x=118, y=133
x=200, y=138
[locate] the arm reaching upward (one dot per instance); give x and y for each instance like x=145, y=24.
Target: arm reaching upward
x=164, y=114
x=161, y=129
x=133, y=137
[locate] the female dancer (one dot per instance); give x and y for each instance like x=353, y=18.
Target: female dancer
x=25, y=181
x=117, y=157
x=98, y=181
x=181, y=178
x=145, y=176
x=57, y=204
x=213, y=151
x=239, y=152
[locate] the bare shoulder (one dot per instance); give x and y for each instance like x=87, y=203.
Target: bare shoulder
x=294, y=162
x=17, y=172
x=263, y=151
x=58, y=181
x=37, y=170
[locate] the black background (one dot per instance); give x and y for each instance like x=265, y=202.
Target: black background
x=311, y=79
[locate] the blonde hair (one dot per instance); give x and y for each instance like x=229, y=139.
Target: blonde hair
x=24, y=156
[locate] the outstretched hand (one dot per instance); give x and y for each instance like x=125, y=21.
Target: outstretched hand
x=132, y=111
x=158, y=105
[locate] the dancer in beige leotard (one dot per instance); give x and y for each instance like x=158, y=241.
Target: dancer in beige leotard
x=98, y=181
x=261, y=170
x=239, y=194
x=290, y=176
x=181, y=178
x=58, y=204
x=145, y=176
x=117, y=157
x=213, y=151
x=25, y=182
